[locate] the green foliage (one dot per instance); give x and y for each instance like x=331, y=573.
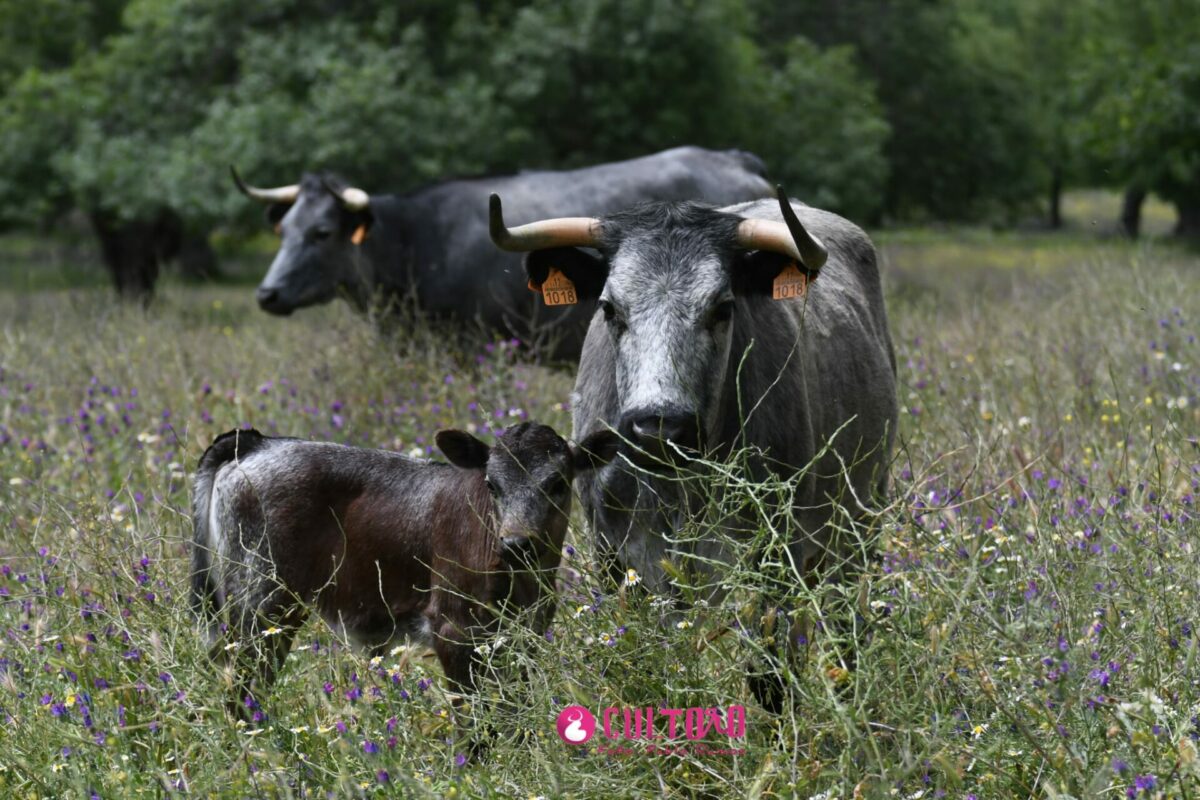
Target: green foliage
x=141, y=96
x=875, y=108
x=964, y=141
x=37, y=124
x=821, y=130
x=51, y=34
x=1145, y=80
x=617, y=78
x=363, y=100
x=394, y=97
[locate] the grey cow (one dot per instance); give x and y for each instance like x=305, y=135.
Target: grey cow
x=687, y=332
x=433, y=242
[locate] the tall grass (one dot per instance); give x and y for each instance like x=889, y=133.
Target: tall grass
x=1026, y=627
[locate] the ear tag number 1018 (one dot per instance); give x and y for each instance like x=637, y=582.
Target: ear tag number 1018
x=558, y=290
x=789, y=284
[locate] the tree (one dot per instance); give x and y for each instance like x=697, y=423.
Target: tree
x=39, y=41
x=138, y=129
x=964, y=143
x=90, y=134
x=1055, y=45
x=604, y=79
x=52, y=34
x=1145, y=85
x=822, y=131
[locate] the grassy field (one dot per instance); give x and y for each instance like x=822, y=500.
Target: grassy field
x=1028, y=630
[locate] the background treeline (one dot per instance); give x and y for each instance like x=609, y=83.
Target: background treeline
x=885, y=110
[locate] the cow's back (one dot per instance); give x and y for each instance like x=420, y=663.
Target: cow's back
x=302, y=507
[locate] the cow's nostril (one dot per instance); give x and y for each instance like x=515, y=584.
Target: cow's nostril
x=266, y=297
x=678, y=430
x=646, y=428
x=654, y=430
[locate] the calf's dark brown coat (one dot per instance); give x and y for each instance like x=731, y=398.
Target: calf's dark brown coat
x=381, y=545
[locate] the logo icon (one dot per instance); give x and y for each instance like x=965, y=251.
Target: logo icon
x=576, y=725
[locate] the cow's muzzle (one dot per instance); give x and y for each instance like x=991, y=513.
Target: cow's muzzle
x=270, y=301
x=662, y=435
x=519, y=552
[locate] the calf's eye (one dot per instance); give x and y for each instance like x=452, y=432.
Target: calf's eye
x=492, y=488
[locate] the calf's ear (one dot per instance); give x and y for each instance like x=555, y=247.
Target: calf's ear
x=462, y=449
x=597, y=449
x=586, y=271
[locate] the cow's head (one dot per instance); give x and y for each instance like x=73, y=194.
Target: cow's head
x=320, y=222
x=670, y=281
x=528, y=473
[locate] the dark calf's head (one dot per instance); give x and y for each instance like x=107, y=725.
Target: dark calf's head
x=528, y=473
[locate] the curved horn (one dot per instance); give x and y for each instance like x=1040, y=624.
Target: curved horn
x=353, y=199
x=788, y=237
x=559, y=232
x=283, y=194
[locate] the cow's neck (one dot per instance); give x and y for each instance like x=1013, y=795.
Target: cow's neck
x=383, y=261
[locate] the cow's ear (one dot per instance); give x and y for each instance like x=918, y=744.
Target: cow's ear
x=359, y=224
x=597, y=449
x=276, y=212
x=462, y=449
x=755, y=272
x=586, y=271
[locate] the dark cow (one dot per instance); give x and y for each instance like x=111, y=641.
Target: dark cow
x=133, y=250
x=382, y=545
x=433, y=242
x=689, y=350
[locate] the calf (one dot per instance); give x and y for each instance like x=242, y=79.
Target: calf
x=380, y=544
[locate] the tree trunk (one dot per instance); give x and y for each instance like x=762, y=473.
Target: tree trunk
x=1188, y=226
x=1131, y=211
x=1056, y=187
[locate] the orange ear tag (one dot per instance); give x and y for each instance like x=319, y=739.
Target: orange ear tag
x=360, y=233
x=789, y=284
x=558, y=290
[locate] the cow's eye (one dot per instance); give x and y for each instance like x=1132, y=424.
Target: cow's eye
x=723, y=312
x=611, y=316
x=492, y=488
x=321, y=234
